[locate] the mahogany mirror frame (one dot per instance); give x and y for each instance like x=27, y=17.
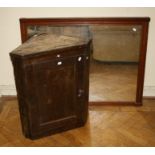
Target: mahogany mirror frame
x=142, y=21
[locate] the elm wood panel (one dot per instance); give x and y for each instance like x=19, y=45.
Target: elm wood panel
x=56, y=96
x=60, y=98
x=51, y=117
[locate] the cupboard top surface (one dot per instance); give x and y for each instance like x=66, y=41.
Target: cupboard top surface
x=47, y=42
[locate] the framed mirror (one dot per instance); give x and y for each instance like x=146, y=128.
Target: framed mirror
x=117, y=61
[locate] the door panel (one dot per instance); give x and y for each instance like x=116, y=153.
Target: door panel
x=56, y=94
x=55, y=90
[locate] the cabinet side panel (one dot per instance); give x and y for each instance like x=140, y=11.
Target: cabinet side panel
x=19, y=76
x=83, y=86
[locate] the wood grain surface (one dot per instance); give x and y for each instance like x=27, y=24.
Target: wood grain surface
x=106, y=126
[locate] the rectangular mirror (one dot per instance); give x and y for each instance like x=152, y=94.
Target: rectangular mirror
x=117, y=59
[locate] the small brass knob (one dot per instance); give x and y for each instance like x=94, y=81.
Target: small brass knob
x=59, y=63
x=79, y=58
x=58, y=55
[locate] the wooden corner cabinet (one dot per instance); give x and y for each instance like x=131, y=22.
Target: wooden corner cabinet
x=52, y=80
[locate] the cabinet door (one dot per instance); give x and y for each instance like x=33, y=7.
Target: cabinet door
x=57, y=88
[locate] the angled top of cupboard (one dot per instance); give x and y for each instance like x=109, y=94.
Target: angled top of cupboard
x=48, y=43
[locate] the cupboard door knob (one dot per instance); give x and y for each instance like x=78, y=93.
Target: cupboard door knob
x=59, y=63
x=79, y=58
x=58, y=55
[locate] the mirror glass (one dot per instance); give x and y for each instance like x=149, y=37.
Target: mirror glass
x=114, y=62
x=114, y=57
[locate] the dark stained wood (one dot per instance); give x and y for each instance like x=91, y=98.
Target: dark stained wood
x=25, y=22
x=52, y=91
x=143, y=21
x=149, y=97
x=142, y=59
x=113, y=103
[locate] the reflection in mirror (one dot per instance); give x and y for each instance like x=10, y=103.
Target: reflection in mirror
x=114, y=62
x=114, y=58
x=67, y=30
